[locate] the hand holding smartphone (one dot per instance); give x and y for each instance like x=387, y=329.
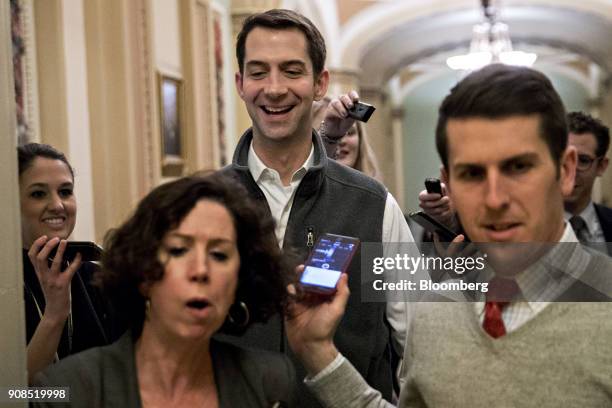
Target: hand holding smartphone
x=433, y=185
x=330, y=257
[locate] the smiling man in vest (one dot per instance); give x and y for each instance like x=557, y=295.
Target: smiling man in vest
x=282, y=162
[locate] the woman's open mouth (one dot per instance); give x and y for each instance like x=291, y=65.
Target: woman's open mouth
x=198, y=307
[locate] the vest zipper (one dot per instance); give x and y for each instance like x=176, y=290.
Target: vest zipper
x=309, y=237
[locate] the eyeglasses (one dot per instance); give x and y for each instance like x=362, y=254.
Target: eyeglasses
x=585, y=162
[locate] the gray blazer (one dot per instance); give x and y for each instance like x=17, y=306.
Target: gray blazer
x=106, y=377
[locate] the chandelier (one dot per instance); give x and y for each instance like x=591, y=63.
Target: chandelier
x=490, y=44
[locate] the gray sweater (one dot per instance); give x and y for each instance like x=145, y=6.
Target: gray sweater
x=560, y=358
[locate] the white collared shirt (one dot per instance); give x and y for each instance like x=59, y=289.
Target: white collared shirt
x=280, y=199
x=594, y=231
x=278, y=196
x=538, y=284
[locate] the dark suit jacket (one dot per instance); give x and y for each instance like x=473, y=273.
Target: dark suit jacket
x=106, y=377
x=605, y=220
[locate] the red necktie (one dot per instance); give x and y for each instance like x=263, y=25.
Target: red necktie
x=499, y=294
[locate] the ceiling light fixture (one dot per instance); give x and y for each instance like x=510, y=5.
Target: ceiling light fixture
x=490, y=44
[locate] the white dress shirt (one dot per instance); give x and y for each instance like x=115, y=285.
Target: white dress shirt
x=278, y=196
x=537, y=282
x=280, y=199
x=594, y=231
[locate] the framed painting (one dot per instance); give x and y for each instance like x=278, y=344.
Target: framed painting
x=171, y=125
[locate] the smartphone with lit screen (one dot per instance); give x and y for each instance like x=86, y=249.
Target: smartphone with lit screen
x=330, y=257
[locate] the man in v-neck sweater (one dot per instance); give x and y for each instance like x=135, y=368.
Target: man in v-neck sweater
x=502, y=139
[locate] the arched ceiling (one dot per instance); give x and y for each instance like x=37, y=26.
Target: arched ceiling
x=383, y=39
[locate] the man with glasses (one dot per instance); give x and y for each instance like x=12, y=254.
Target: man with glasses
x=591, y=138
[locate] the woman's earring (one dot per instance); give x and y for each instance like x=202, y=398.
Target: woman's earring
x=147, y=308
x=238, y=314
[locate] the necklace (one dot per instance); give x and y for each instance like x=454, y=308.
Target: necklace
x=70, y=325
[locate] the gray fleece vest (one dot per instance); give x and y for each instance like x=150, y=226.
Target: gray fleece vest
x=331, y=198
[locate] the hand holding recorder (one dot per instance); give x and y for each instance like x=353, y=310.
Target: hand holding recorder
x=342, y=113
x=54, y=278
x=437, y=204
x=319, y=301
x=311, y=322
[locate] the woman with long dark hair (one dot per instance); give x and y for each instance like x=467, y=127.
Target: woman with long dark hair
x=65, y=314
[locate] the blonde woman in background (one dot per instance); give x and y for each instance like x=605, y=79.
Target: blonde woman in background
x=355, y=151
